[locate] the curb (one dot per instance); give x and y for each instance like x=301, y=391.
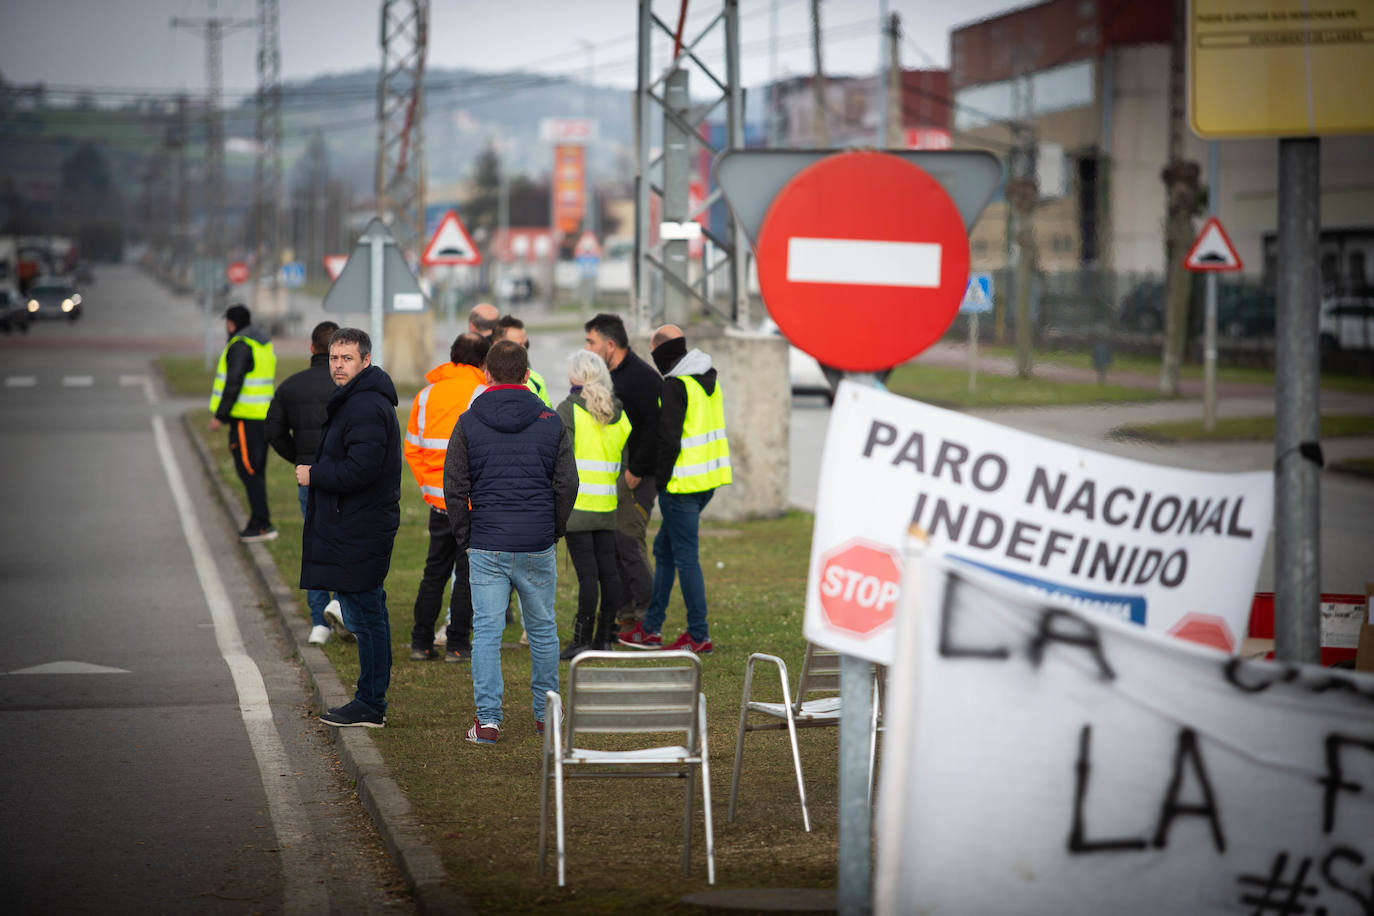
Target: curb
x=385, y=802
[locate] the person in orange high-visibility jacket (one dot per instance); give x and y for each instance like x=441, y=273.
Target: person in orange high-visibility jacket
x=433, y=414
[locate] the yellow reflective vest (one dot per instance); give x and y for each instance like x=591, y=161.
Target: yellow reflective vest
x=256, y=392
x=536, y=384
x=597, y=449
x=703, y=461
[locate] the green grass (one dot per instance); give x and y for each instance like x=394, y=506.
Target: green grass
x=187, y=377
x=948, y=386
x=1149, y=365
x=1239, y=429
x=479, y=806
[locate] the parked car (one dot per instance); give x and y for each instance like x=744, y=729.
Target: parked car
x=54, y=297
x=14, y=313
x=1346, y=323
x=1243, y=309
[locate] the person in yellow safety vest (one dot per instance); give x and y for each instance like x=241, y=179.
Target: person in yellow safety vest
x=433, y=414
x=599, y=427
x=512, y=328
x=242, y=392
x=693, y=462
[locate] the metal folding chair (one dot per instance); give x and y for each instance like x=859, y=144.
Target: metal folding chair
x=611, y=693
x=816, y=705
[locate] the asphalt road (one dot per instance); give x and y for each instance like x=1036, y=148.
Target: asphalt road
x=160, y=751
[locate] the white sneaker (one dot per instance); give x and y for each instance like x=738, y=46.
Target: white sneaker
x=333, y=615
x=441, y=638
x=319, y=635
x=524, y=637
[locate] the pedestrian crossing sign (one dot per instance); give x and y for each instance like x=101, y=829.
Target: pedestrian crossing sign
x=978, y=294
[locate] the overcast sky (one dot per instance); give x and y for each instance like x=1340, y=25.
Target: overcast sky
x=131, y=44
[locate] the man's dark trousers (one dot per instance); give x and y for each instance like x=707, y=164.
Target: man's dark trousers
x=248, y=444
x=444, y=558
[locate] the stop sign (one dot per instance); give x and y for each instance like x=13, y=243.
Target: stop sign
x=863, y=260
x=236, y=272
x=859, y=584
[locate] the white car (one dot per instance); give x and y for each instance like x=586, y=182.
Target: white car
x=805, y=374
x=1347, y=323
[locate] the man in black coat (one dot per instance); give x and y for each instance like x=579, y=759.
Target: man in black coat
x=638, y=385
x=294, y=419
x=352, y=515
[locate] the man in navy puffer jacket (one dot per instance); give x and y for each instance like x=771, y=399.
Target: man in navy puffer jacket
x=510, y=481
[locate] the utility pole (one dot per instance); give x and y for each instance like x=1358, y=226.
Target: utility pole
x=895, y=94
x=267, y=171
x=820, y=121
x=657, y=267
x=1181, y=182
x=1022, y=194
x=409, y=339
x=213, y=29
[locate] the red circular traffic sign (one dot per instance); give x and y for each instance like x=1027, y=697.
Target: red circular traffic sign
x=863, y=260
x=237, y=272
x=859, y=585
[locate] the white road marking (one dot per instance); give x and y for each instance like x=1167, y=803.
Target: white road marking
x=70, y=668
x=141, y=381
x=77, y=381
x=863, y=262
x=20, y=381
x=302, y=892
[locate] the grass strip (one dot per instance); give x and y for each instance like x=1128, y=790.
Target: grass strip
x=479, y=805
x=1239, y=429
x=949, y=387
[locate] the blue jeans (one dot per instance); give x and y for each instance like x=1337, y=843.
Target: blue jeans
x=492, y=574
x=676, y=553
x=365, y=615
x=316, y=598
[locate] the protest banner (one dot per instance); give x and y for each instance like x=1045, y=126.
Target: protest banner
x=1168, y=549
x=1038, y=758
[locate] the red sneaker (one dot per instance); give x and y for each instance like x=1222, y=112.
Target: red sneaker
x=638, y=639
x=484, y=732
x=685, y=641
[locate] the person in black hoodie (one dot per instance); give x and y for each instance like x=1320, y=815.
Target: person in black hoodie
x=510, y=481
x=693, y=462
x=294, y=418
x=352, y=515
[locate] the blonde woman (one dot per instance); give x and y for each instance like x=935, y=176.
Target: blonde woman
x=598, y=427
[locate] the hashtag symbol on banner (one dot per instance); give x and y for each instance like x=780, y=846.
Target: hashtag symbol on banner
x=1271, y=901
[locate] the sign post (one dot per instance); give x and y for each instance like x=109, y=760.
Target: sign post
x=977, y=300
x=895, y=250
x=375, y=279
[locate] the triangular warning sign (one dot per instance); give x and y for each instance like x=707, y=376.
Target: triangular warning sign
x=1213, y=249
x=451, y=244
x=974, y=294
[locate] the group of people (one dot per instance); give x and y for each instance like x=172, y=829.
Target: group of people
x=505, y=476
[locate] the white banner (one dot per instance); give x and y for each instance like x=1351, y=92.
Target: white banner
x=1172, y=550
x=1038, y=759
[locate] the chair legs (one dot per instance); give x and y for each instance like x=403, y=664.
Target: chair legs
x=706, y=799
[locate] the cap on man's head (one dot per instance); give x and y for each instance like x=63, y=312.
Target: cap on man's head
x=238, y=315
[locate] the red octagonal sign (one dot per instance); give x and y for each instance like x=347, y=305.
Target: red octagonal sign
x=870, y=237
x=237, y=272
x=859, y=585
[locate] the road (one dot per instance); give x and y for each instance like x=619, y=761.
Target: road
x=160, y=749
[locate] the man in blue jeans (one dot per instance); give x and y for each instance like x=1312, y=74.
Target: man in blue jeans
x=352, y=515
x=294, y=419
x=510, y=481
x=693, y=461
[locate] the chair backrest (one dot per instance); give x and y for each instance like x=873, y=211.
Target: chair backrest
x=617, y=693
x=820, y=673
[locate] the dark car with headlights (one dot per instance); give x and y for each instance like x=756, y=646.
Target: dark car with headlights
x=14, y=315
x=54, y=297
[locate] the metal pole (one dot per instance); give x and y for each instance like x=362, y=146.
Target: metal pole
x=377, y=248
x=676, y=162
x=1297, y=418
x=854, y=894
x=1209, y=330
x=883, y=77
x=972, y=353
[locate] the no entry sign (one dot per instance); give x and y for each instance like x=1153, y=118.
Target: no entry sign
x=863, y=260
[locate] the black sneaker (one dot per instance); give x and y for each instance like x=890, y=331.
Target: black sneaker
x=353, y=714
x=424, y=654
x=256, y=531
x=458, y=655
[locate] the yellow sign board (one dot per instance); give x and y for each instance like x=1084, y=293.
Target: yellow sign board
x=1280, y=68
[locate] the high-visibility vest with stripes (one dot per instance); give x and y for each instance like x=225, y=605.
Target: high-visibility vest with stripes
x=597, y=449
x=703, y=461
x=433, y=414
x=256, y=392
